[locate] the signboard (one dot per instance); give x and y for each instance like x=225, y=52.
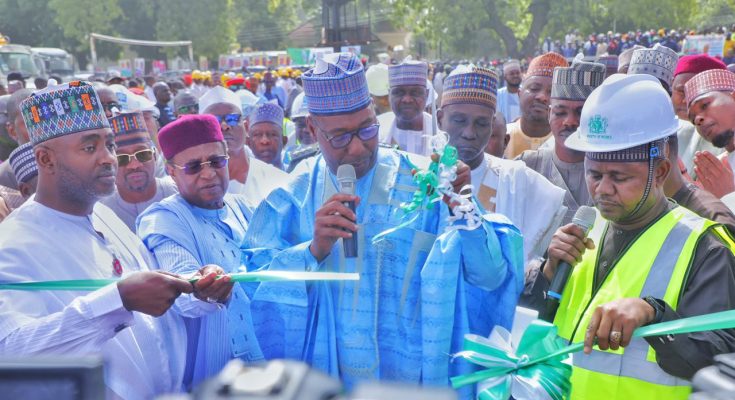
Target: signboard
x=356, y=50
x=126, y=68
x=203, y=63
x=318, y=52
x=159, y=67
x=139, y=66
x=298, y=56
x=712, y=45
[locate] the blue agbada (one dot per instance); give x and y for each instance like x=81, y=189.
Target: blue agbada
x=175, y=231
x=420, y=290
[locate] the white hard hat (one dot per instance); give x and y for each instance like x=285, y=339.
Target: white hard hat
x=247, y=100
x=624, y=112
x=130, y=101
x=377, y=80
x=299, y=107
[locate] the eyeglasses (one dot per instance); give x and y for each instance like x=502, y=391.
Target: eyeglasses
x=195, y=167
x=110, y=106
x=191, y=109
x=230, y=119
x=142, y=156
x=343, y=140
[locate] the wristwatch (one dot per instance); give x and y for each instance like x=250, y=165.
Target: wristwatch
x=658, y=307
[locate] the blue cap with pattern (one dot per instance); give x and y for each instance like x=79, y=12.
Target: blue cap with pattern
x=267, y=112
x=408, y=73
x=62, y=110
x=336, y=85
x=23, y=162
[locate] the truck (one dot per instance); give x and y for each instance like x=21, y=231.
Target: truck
x=20, y=58
x=57, y=62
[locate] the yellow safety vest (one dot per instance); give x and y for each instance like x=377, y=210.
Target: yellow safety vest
x=655, y=264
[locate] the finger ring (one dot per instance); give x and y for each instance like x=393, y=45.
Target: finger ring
x=615, y=336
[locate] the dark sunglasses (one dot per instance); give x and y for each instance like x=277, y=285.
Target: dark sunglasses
x=343, y=140
x=142, y=156
x=195, y=167
x=230, y=119
x=110, y=106
x=191, y=109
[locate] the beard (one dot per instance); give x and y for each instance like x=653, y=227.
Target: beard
x=723, y=139
x=74, y=188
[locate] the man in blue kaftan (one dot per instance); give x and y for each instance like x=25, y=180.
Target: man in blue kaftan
x=422, y=287
x=202, y=225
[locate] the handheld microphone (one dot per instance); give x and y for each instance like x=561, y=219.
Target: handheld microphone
x=346, y=179
x=585, y=219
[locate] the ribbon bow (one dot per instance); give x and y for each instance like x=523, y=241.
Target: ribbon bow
x=508, y=372
x=539, y=368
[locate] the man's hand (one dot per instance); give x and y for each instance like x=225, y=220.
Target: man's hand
x=716, y=176
x=613, y=323
x=568, y=244
x=333, y=221
x=151, y=292
x=464, y=176
x=210, y=289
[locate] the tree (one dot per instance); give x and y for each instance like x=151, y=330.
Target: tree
x=520, y=24
x=210, y=25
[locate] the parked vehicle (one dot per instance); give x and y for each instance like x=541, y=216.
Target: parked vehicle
x=19, y=58
x=57, y=62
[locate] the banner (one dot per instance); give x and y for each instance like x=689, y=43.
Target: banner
x=159, y=67
x=139, y=66
x=126, y=68
x=318, y=52
x=712, y=45
x=203, y=63
x=298, y=56
x=356, y=50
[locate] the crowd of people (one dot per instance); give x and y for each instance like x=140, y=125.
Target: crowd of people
x=173, y=185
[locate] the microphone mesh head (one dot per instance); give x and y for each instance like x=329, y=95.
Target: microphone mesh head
x=585, y=217
x=346, y=178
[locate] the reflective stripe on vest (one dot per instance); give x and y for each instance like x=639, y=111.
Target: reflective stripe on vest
x=621, y=373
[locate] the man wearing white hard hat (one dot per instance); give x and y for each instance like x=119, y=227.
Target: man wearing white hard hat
x=377, y=81
x=646, y=260
x=249, y=176
x=302, y=143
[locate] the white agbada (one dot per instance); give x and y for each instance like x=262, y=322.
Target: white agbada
x=145, y=356
x=262, y=179
x=523, y=195
x=415, y=142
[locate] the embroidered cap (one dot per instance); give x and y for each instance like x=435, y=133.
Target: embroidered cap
x=659, y=61
x=217, y=95
x=62, y=110
x=336, y=85
x=127, y=123
x=413, y=73
x=714, y=80
x=578, y=81
x=469, y=84
x=544, y=65
x=267, y=112
x=23, y=162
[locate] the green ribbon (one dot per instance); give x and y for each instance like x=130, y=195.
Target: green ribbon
x=257, y=276
x=543, y=363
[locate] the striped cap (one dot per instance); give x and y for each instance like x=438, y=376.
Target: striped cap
x=23, y=162
x=267, y=112
x=336, y=85
x=123, y=124
x=659, y=61
x=544, y=65
x=62, y=110
x=714, y=80
x=578, y=81
x=469, y=84
x=413, y=73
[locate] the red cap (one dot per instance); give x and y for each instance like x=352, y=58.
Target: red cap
x=697, y=63
x=188, y=131
x=235, y=81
